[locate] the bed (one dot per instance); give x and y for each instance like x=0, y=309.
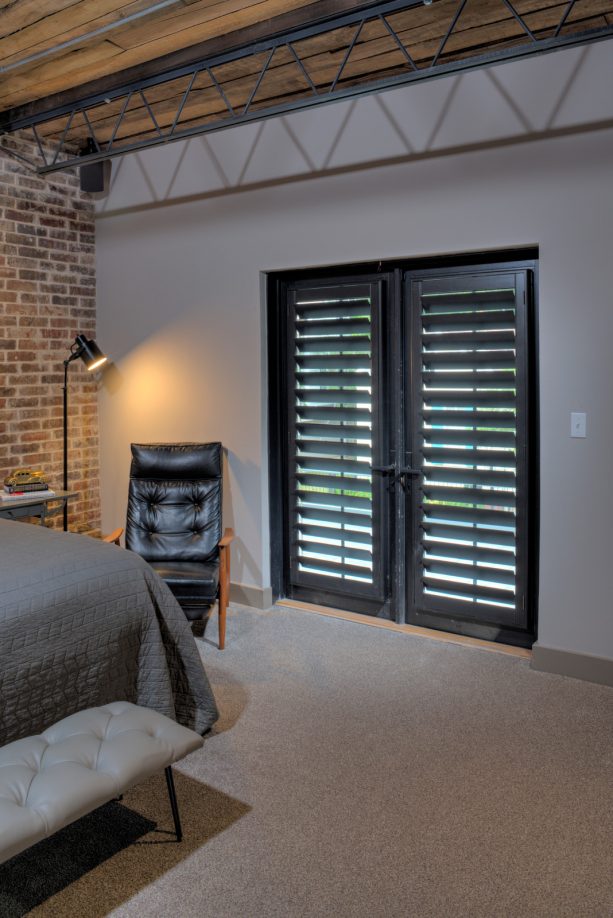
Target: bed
x=82, y=624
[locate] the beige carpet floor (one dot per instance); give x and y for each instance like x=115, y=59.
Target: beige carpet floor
x=356, y=772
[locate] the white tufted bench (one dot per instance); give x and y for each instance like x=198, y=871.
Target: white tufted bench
x=81, y=762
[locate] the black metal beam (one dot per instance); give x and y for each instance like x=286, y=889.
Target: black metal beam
x=362, y=14
x=318, y=11
x=62, y=157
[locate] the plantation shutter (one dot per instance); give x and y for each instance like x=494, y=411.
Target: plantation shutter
x=333, y=387
x=469, y=421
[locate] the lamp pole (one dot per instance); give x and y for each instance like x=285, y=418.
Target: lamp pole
x=65, y=482
x=93, y=358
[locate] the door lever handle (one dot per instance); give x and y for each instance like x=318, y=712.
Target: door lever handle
x=405, y=473
x=399, y=474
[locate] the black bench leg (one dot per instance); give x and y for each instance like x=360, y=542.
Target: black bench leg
x=173, y=802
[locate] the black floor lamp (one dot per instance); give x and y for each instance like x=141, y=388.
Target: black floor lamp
x=92, y=357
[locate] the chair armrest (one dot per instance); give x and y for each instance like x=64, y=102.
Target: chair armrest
x=114, y=537
x=227, y=538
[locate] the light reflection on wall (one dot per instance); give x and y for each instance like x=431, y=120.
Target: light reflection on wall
x=171, y=388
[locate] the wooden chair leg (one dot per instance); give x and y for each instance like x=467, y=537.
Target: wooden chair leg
x=222, y=623
x=223, y=597
x=224, y=583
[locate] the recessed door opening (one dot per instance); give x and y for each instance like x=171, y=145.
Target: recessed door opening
x=402, y=441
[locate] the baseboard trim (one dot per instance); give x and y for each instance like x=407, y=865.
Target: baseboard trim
x=430, y=633
x=246, y=595
x=577, y=665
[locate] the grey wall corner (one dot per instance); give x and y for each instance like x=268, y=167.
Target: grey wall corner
x=577, y=665
x=247, y=595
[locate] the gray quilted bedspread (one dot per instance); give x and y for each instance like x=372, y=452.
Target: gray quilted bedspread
x=83, y=623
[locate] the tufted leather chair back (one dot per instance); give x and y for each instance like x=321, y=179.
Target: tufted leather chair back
x=174, y=501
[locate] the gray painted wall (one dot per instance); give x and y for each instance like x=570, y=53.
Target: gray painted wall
x=180, y=284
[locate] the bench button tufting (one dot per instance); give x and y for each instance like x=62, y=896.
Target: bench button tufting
x=120, y=766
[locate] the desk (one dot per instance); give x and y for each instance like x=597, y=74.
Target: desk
x=36, y=505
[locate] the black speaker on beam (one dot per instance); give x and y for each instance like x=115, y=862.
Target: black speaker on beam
x=95, y=177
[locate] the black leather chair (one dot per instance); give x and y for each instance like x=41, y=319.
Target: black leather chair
x=174, y=523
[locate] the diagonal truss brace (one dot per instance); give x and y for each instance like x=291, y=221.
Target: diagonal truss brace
x=63, y=155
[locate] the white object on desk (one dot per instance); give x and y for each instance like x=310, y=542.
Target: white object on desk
x=25, y=495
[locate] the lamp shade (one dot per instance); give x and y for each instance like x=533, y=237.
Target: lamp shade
x=89, y=352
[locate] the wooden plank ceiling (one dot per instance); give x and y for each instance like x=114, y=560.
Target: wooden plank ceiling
x=37, y=67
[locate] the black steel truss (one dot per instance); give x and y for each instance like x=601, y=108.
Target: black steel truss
x=58, y=151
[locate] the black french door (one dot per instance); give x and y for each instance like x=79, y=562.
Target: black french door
x=335, y=413
x=401, y=445
x=468, y=421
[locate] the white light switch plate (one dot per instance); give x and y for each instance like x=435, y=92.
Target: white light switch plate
x=577, y=423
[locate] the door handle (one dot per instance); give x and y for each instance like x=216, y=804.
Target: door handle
x=405, y=473
x=399, y=474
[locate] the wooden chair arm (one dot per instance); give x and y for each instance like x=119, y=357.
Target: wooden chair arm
x=227, y=538
x=114, y=537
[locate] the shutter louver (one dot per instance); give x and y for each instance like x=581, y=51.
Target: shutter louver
x=469, y=436
x=332, y=386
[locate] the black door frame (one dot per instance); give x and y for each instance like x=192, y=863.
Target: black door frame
x=394, y=272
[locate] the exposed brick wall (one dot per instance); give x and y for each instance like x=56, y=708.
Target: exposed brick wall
x=47, y=297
